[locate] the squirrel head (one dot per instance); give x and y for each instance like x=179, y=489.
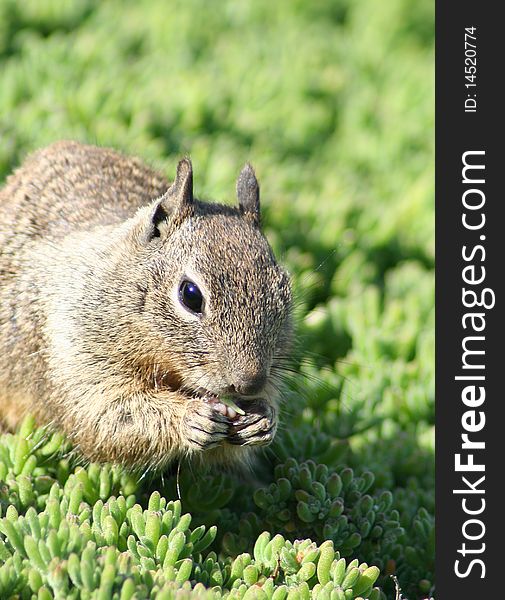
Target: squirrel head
x=215, y=306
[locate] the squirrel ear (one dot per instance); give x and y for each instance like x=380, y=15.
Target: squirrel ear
x=180, y=194
x=248, y=194
x=177, y=202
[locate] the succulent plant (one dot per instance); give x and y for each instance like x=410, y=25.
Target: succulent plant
x=324, y=504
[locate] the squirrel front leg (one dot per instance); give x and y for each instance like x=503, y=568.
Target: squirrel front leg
x=152, y=430
x=141, y=430
x=148, y=429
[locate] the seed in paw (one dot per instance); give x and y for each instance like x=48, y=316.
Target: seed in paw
x=221, y=408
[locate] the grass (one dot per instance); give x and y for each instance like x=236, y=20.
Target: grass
x=332, y=102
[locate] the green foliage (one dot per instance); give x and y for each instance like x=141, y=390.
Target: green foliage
x=315, y=502
x=80, y=533
x=331, y=100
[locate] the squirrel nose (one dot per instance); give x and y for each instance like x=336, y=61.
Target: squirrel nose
x=250, y=383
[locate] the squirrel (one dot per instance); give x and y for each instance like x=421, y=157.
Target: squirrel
x=130, y=311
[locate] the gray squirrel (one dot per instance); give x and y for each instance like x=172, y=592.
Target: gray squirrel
x=130, y=312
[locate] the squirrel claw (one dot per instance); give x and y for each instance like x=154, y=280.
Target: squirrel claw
x=256, y=428
x=204, y=427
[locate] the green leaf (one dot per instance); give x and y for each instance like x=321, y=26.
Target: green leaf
x=326, y=556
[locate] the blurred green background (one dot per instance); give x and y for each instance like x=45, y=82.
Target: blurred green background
x=333, y=103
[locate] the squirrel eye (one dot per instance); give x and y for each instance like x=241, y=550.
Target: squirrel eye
x=191, y=297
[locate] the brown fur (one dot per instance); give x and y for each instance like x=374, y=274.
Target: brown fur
x=93, y=339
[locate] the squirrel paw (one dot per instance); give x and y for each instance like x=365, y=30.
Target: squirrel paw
x=204, y=427
x=256, y=428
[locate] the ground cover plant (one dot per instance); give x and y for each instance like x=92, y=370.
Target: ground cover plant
x=332, y=101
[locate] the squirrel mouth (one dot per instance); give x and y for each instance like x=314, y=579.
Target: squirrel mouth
x=226, y=406
x=223, y=405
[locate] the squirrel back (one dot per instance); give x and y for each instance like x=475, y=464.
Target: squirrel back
x=136, y=318
x=69, y=185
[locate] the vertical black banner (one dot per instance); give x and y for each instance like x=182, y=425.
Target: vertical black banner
x=470, y=250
